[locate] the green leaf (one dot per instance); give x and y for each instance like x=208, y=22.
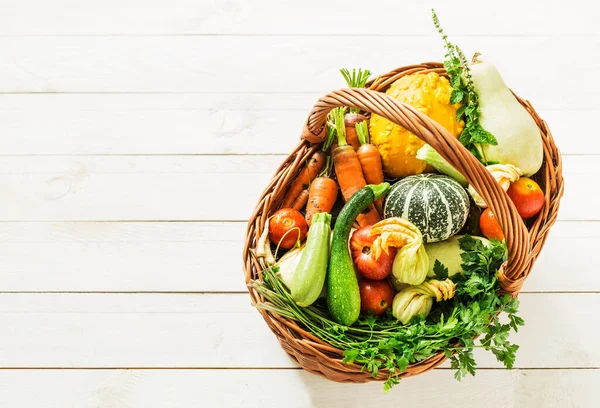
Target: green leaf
x=515, y=322
x=474, y=285
x=402, y=363
x=465, y=137
x=511, y=304
x=468, y=244
x=389, y=383
x=441, y=272
x=460, y=112
x=455, y=80
x=464, y=363
x=456, y=96
x=369, y=319
x=480, y=135
x=350, y=356
x=471, y=110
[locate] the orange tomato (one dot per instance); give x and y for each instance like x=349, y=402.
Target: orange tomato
x=286, y=227
x=489, y=225
x=527, y=196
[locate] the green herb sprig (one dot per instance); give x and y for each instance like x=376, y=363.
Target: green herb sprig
x=383, y=343
x=457, y=67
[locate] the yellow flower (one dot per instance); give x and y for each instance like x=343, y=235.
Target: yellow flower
x=418, y=300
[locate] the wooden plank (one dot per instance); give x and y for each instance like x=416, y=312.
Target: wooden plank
x=212, y=64
x=134, y=17
x=206, y=188
x=90, y=124
x=205, y=257
x=133, y=188
x=203, y=331
x=265, y=388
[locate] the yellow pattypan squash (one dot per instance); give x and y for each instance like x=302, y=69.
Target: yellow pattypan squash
x=428, y=93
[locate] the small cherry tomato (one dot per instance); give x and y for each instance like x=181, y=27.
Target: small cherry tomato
x=286, y=227
x=527, y=196
x=375, y=295
x=489, y=225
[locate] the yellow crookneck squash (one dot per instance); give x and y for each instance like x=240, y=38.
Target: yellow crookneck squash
x=428, y=93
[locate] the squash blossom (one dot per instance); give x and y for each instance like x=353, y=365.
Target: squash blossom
x=504, y=174
x=411, y=262
x=418, y=300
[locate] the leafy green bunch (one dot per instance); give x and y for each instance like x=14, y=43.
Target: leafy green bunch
x=457, y=68
x=381, y=342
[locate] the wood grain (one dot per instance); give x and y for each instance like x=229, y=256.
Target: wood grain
x=179, y=256
x=266, y=388
x=189, y=17
x=148, y=64
x=167, y=188
x=223, y=330
x=238, y=123
x=89, y=89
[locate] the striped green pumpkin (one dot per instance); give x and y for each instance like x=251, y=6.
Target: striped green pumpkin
x=436, y=204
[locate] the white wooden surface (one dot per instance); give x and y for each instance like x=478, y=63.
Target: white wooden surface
x=135, y=137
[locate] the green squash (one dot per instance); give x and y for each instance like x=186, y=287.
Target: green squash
x=435, y=203
x=448, y=253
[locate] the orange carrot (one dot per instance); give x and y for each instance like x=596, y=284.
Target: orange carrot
x=349, y=172
x=321, y=195
x=357, y=79
x=370, y=160
x=313, y=167
x=300, y=202
x=350, y=121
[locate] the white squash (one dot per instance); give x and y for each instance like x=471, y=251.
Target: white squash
x=519, y=140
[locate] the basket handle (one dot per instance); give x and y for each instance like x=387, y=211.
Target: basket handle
x=432, y=133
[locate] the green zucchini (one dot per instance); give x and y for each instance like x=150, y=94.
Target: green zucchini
x=309, y=278
x=343, y=296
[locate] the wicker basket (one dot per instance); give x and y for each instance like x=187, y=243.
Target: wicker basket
x=524, y=243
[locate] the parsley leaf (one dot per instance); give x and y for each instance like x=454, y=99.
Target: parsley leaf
x=441, y=272
x=389, y=383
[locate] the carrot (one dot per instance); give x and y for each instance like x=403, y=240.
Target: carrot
x=357, y=79
x=370, y=160
x=313, y=167
x=322, y=194
x=348, y=170
x=300, y=202
x=350, y=121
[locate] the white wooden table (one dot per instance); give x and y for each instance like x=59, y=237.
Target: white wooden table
x=136, y=136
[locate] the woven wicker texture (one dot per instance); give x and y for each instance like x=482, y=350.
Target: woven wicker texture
x=524, y=242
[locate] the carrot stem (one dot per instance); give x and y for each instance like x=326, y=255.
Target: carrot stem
x=327, y=169
x=357, y=79
x=362, y=131
x=330, y=138
x=340, y=126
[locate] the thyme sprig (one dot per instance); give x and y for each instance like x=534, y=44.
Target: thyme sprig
x=473, y=136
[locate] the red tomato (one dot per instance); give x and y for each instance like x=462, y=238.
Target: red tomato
x=527, y=196
x=375, y=295
x=368, y=266
x=286, y=227
x=489, y=225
